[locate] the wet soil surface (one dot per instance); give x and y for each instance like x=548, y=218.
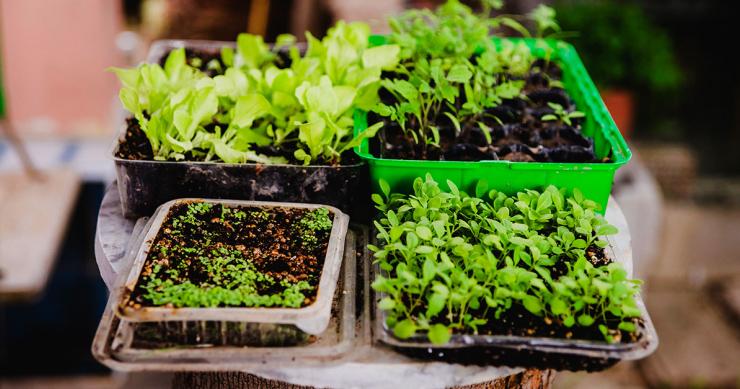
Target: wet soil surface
x=216, y=246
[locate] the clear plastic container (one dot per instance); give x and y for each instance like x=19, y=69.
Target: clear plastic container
x=526, y=351
x=312, y=319
x=121, y=345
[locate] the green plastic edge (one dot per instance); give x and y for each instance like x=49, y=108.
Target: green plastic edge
x=577, y=82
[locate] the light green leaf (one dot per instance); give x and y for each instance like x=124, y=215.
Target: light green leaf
x=439, y=334
x=249, y=108
x=435, y=304
x=386, y=303
x=384, y=57
x=459, y=73
x=424, y=232
x=404, y=329
x=532, y=304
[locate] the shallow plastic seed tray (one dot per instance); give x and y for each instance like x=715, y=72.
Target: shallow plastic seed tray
x=593, y=179
x=127, y=346
x=535, y=352
x=312, y=319
x=144, y=185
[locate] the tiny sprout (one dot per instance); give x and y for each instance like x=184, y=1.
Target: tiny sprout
x=560, y=114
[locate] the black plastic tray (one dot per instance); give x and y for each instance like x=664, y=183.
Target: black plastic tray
x=145, y=185
x=524, y=351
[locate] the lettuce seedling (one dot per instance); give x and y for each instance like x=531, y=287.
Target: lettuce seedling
x=303, y=107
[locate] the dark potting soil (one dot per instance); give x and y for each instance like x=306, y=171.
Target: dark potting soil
x=135, y=145
x=516, y=128
x=517, y=321
x=210, y=246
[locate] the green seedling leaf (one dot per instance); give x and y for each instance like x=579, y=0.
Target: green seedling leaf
x=404, y=329
x=532, y=304
x=386, y=304
x=384, y=57
x=424, y=232
x=459, y=73
x=439, y=334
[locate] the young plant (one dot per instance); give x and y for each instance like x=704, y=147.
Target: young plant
x=303, y=108
x=452, y=263
x=561, y=115
x=450, y=68
x=196, y=262
x=313, y=226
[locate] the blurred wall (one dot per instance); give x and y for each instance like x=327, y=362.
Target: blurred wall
x=54, y=56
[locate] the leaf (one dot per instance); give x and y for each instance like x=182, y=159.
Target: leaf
x=481, y=187
x=532, y=304
x=453, y=188
x=428, y=271
x=439, y=334
x=386, y=303
x=227, y=56
x=548, y=118
x=544, y=201
x=558, y=306
x=252, y=50
x=377, y=199
x=130, y=100
x=175, y=64
x=129, y=77
x=424, y=250
x=384, y=187
x=404, y=329
x=459, y=73
x=384, y=57
x=627, y=326
x=585, y=320
x=424, y=232
x=249, y=108
x=301, y=155
x=361, y=136
x=405, y=89
x=435, y=304
x=569, y=321
x=606, y=229
x=314, y=135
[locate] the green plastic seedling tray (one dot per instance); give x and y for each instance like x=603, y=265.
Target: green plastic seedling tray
x=593, y=179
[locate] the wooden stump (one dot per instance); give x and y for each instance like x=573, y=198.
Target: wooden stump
x=529, y=379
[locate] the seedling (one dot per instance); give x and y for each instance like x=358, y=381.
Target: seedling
x=304, y=110
x=312, y=226
x=561, y=115
x=449, y=68
x=212, y=255
x=454, y=263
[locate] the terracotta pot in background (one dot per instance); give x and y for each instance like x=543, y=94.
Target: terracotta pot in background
x=620, y=104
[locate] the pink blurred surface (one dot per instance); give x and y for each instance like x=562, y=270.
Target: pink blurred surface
x=54, y=55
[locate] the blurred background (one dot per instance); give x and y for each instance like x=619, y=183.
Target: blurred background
x=664, y=68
